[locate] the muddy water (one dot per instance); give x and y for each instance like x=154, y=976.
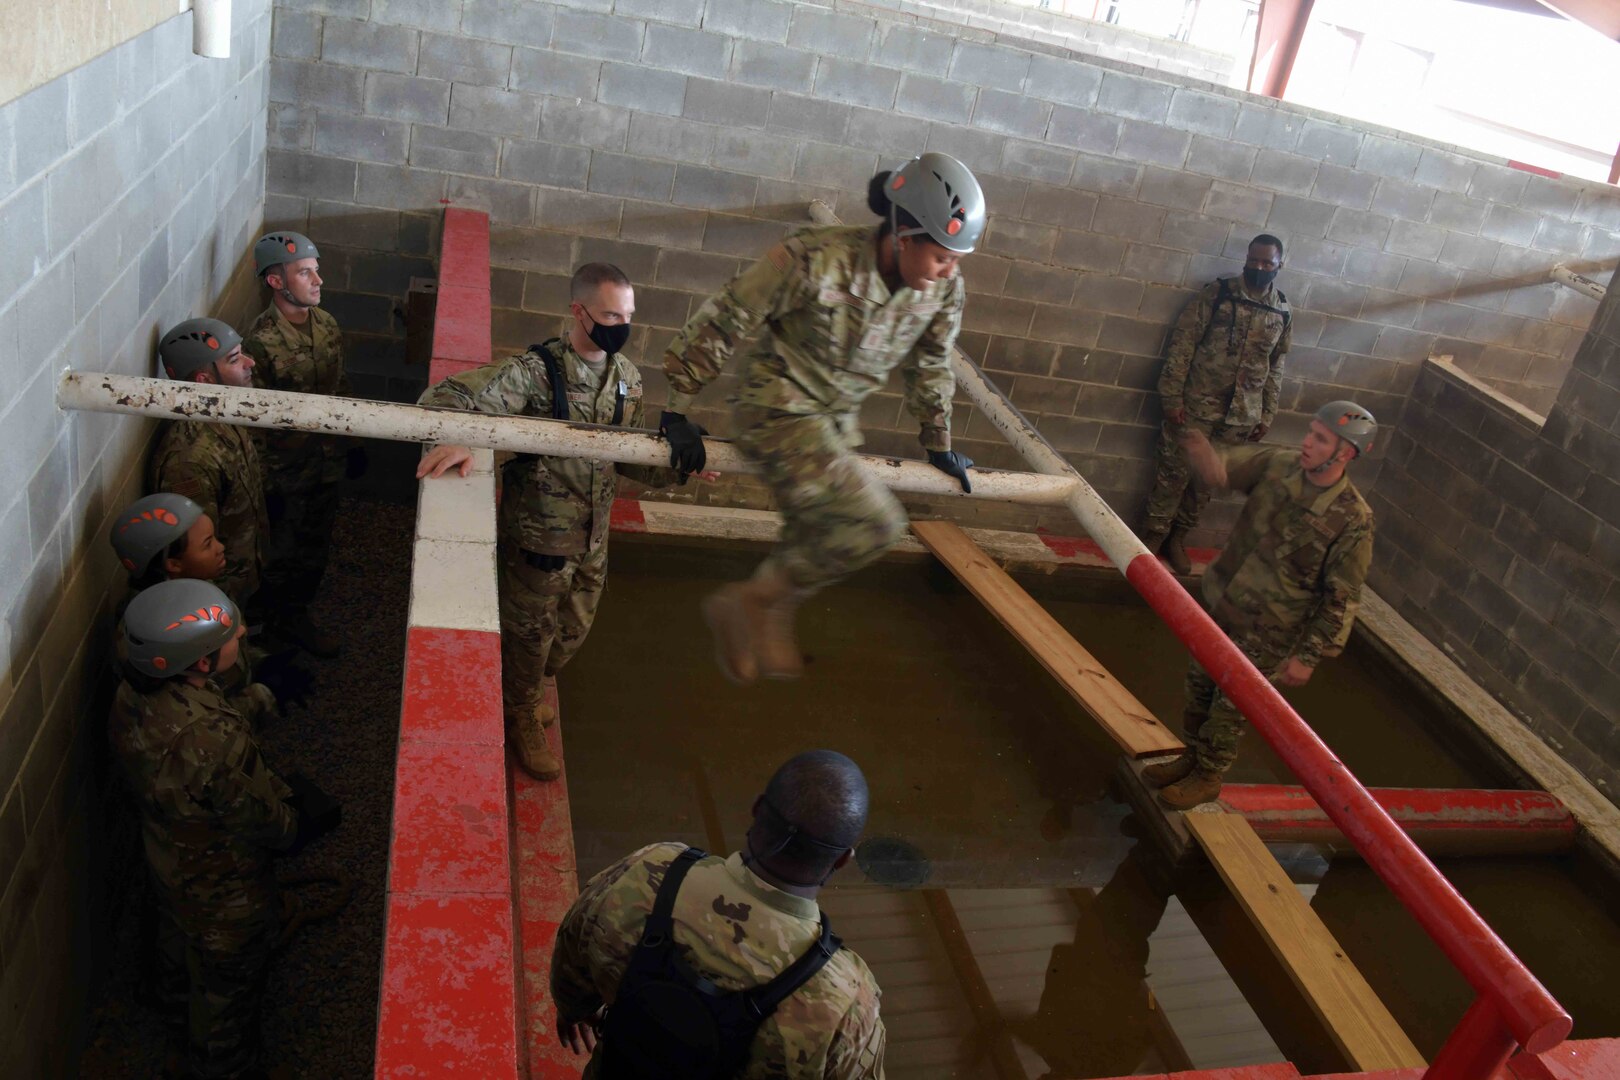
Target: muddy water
x=1037, y=945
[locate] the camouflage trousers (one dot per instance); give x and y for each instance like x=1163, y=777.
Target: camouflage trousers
x=1177, y=498
x=834, y=520
x=1213, y=725
x=211, y=979
x=302, y=500
x=545, y=615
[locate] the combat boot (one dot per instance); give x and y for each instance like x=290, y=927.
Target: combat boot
x=545, y=710
x=1175, y=551
x=1163, y=773
x=746, y=632
x=528, y=741
x=1199, y=786
x=298, y=627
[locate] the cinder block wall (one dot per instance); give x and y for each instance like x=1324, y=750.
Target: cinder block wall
x=1499, y=537
x=130, y=190
x=677, y=137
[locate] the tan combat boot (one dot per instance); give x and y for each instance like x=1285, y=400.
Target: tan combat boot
x=1175, y=551
x=528, y=741
x=544, y=711
x=1162, y=773
x=748, y=636
x=1198, y=787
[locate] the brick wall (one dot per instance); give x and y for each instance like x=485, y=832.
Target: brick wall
x=678, y=137
x=1499, y=537
x=130, y=190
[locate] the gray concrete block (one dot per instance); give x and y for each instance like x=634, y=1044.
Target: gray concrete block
x=1196, y=234
x=1293, y=218
x=875, y=129
x=1084, y=129
x=1389, y=157
x=975, y=149
x=288, y=173
x=664, y=226
x=38, y=128
x=912, y=49
x=1359, y=228
x=541, y=71
x=631, y=177
x=672, y=139
x=1495, y=183
x=989, y=65
x=1152, y=144
x=404, y=97
x=1373, y=268
x=1304, y=255
x=823, y=121
x=936, y=99
x=1449, y=172
x=1151, y=263
x=1269, y=127
x=22, y=223
x=1089, y=251
x=1134, y=338
x=684, y=12
x=1066, y=81
x=346, y=225
x=505, y=203
x=1428, y=280
x=1011, y=114
x=1418, y=241
x=1458, y=212
x=499, y=112
x=692, y=52
x=1557, y=236
x=1054, y=205
x=577, y=212
x=1335, y=298
x=376, y=46
x=830, y=33
x=295, y=35
x=399, y=189
x=835, y=166
x=1239, y=204
x=92, y=97
x=1037, y=161
x=1206, y=114
x=1346, y=187
x=453, y=151
x=726, y=103
x=1019, y=239
x=1007, y=315
x=1437, y=316
x=696, y=270
x=1217, y=157
x=364, y=138
x=464, y=60
x=1105, y=176
x=785, y=200
x=760, y=63
x=322, y=86
x=1327, y=141
x=511, y=22
x=1134, y=97
x=712, y=189
x=1469, y=252
x=763, y=20
x=551, y=164
x=742, y=236
x=1173, y=188
x=1403, y=199
x=442, y=15
x=745, y=152
x=1286, y=172
x=642, y=89
x=604, y=37
x=291, y=127
x=1509, y=225
x=856, y=83
x=1042, y=284
x=1130, y=220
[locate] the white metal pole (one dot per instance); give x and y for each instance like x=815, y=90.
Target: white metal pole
x=286, y=411
x=1579, y=282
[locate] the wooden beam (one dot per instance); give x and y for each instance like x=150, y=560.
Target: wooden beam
x=992, y=1025
x=1359, y=1025
x=1124, y=718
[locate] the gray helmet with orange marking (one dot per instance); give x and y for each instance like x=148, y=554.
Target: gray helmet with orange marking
x=943, y=196
x=195, y=345
x=148, y=526
x=276, y=248
x=172, y=625
x=1351, y=423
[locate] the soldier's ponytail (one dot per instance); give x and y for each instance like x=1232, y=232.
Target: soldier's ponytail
x=877, y=200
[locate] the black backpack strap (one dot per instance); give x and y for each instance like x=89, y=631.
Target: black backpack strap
x=660, y=925
x=763, y=1000
x=554, y=375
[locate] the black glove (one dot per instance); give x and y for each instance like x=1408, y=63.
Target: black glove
x=318, y=813
x=686, y=451
x=290, y=682
x=953, y=462
x=356, y=463
x=548, y=563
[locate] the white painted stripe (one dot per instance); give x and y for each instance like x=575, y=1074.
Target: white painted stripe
x=453, y=586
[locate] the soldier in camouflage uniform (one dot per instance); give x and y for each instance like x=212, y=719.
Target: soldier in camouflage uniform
x=1285, y=588
x=1221, y=378
x=739, y=922
x=297, y=346
x=216, y=466
x=554, y=512
x=212, y=813
x=839, y=308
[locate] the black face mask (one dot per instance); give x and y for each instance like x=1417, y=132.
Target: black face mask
x=610, y=339
x=1258, y=279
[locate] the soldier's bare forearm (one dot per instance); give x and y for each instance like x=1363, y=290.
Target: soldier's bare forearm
x=1203, y=459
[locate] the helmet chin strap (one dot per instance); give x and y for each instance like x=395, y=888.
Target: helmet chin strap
x=287, y=295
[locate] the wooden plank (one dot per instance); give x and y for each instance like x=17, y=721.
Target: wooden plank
x=1355, y=1019
x=1125, y=719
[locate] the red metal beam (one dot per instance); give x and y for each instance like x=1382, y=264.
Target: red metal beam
x=1441, y=822
x=1276, y=44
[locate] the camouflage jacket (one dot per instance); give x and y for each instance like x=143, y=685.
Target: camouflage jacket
x=555, y=506
x=833, y=332
x=1295, y=562
x=285, y=358
x=1226, y=359
x=211, y=810
x=216, y=466
x=739, y=931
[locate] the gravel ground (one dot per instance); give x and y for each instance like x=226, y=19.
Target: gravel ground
x=320, y=1010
